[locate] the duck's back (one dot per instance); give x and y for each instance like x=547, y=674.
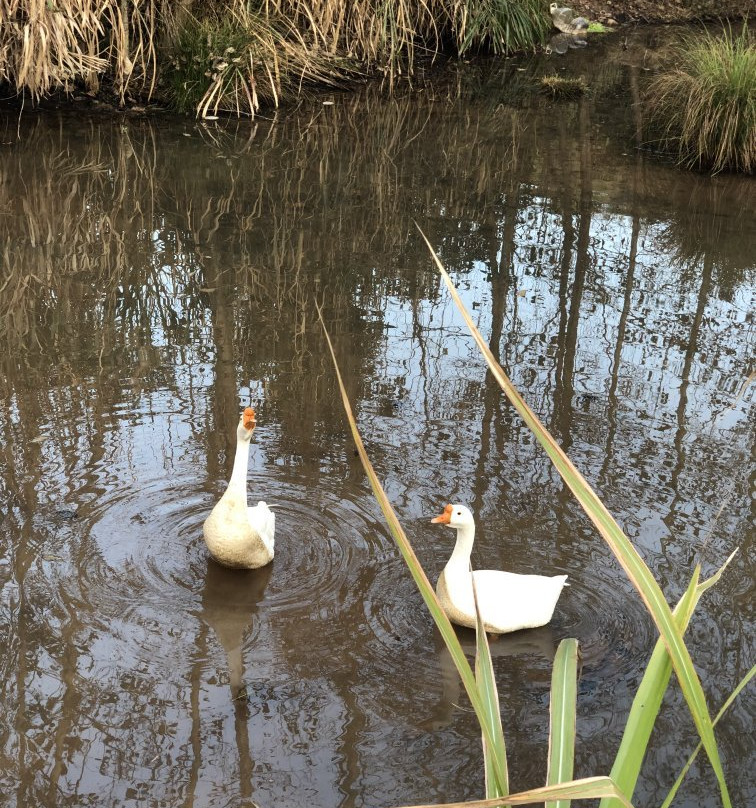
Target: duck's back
x=231, y=538
x=507, y=602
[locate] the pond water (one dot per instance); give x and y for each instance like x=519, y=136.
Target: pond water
x=159, y=274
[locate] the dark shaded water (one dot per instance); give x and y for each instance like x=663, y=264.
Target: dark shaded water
x=158, y=274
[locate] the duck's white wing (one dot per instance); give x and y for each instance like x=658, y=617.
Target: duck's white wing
x=263, y=520
x=512, y=601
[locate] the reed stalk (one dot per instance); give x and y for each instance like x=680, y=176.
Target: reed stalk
x=671, y=631
x=563, y=711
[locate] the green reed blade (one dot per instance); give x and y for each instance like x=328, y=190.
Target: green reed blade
x=647, y=703
x=585, y=789
x=498, y=765
x=650, y=693
x=563, y=711
x=484, y=676
x=628, y=557
x=730, y=699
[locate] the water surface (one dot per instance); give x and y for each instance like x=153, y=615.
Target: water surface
x=158, y=274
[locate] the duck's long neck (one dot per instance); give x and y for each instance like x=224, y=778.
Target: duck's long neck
x=460, y=557
x=238, y=482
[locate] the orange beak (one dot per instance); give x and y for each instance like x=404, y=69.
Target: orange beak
x=445, y=517
x=249, y=418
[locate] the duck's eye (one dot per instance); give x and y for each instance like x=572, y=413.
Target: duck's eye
x=459, y=513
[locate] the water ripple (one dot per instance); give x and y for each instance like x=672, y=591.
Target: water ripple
x=603, y=611
x=146, y=579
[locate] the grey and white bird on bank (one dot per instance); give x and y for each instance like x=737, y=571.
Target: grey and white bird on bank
x=566, y=21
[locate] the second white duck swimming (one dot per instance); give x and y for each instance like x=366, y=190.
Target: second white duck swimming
x=507, y=602
x=235, y=535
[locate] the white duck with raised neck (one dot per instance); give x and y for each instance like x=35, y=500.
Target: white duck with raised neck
x=506, y=601
x=237, y=535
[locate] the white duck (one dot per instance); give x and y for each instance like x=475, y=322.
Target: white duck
x=507, y=602
x=238, y=536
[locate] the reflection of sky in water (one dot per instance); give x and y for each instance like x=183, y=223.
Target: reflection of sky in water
x=428, y=376
x=652, y=356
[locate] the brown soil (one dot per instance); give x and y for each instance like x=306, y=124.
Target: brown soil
x=671, y=11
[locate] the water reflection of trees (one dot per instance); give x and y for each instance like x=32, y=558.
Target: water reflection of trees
x=144, y=263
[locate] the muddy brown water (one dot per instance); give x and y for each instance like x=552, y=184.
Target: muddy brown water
x=158, y=274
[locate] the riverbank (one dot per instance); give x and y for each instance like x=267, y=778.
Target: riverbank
x=670, y=11
x=225, y=58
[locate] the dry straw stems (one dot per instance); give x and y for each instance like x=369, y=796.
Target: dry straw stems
x=233, y=55
x=47, y=46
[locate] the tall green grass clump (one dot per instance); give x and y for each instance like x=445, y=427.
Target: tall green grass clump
x=500, y=26
x=704, y=108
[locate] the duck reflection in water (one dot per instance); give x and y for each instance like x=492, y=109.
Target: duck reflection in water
x=561, y=43
x=536, y=642
x=230, y=601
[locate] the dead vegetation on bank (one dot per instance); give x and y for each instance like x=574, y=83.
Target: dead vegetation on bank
x=46, y=46
x=234, y=55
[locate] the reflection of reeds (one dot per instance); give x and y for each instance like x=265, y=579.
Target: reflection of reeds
x=707, y=216
x=260, y=215
x=137, y=247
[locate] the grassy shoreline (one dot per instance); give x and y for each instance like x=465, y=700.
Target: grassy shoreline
x=220, y=54
x=236, y=58
x=702, y=106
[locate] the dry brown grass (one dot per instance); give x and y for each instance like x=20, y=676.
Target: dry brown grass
x=48, y=46
x=559, y=87
x=388, y=34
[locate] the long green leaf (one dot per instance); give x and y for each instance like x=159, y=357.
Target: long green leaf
x=647, y=703
x=650, y=693
x=484, y=676
x=586, y=789
x=563, y=709
x=448, y=634
x=624, y=551
x=730, y=699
